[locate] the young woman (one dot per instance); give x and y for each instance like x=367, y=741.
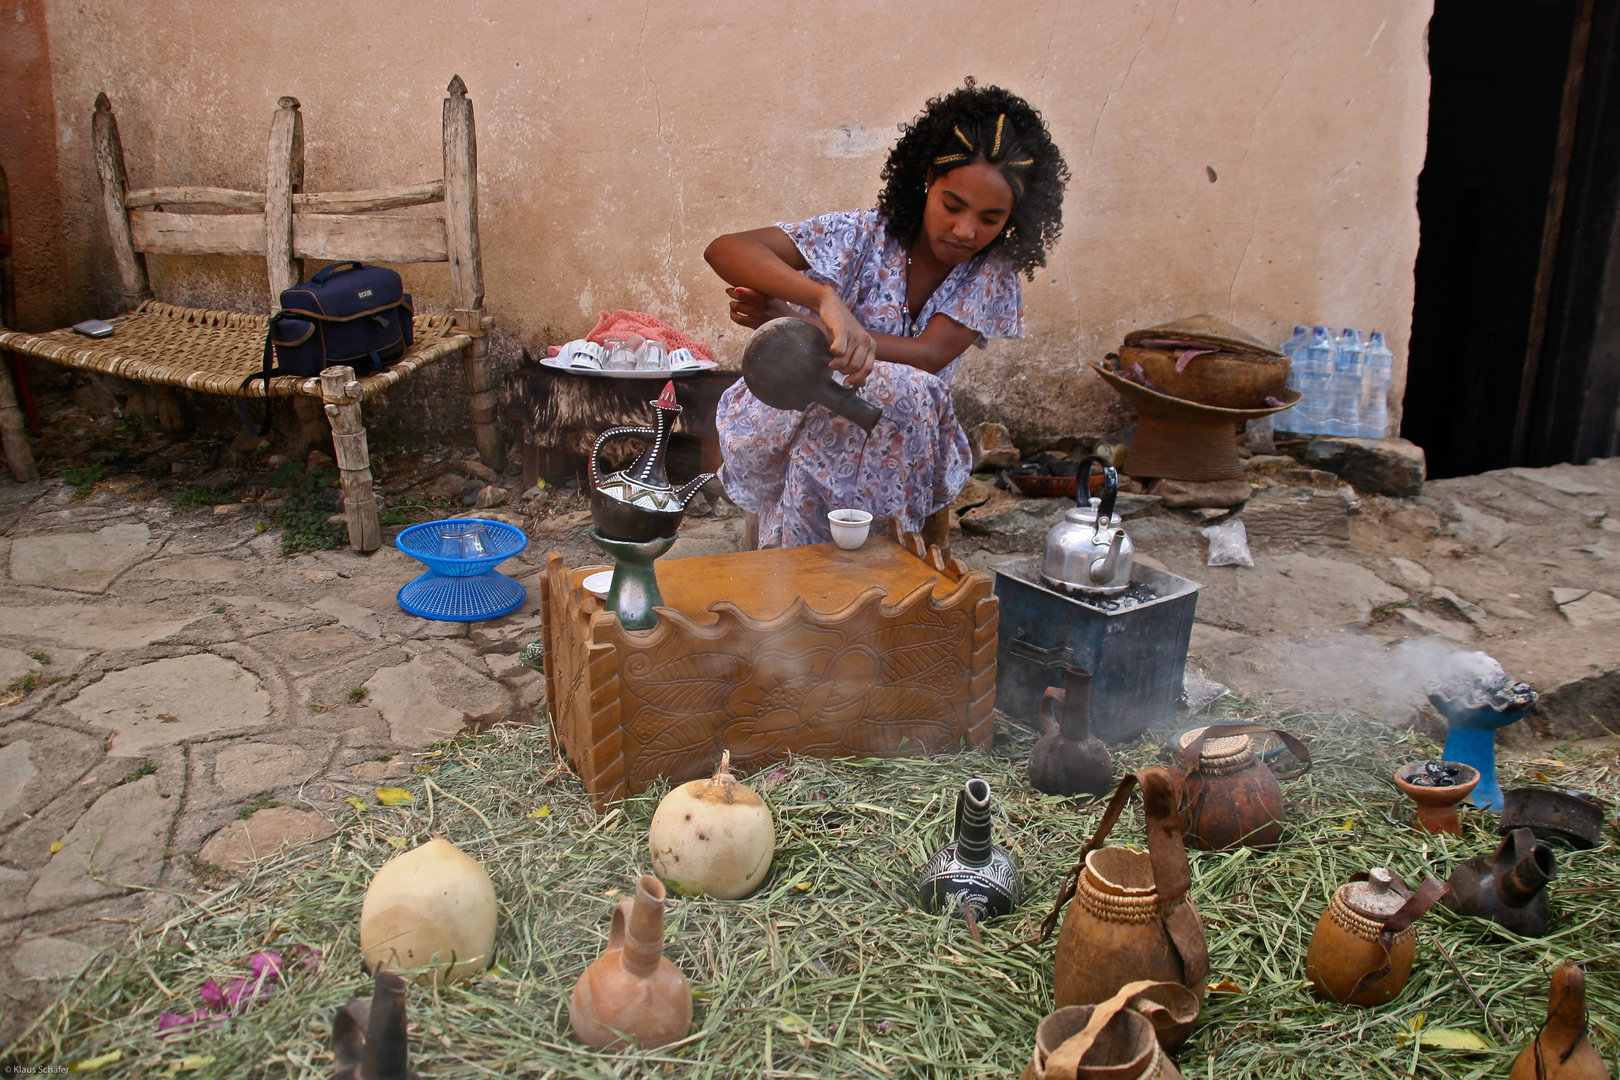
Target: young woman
x=972, y=198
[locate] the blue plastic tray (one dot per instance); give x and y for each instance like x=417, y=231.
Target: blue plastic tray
x=462, y=599
x=421, y=542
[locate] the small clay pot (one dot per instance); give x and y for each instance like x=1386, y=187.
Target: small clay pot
x=1232, y=798
x=632, y=993
x=1361, y=952
x=1437, y=807
x=1069, y=759
x=1125, y=1049
x=1561, y=1050
x=1508, y=886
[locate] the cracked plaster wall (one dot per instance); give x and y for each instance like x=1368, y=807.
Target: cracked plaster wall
x=1257, y=161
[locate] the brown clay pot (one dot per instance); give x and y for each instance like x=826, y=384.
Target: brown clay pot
x=1128, y=916
x=368, y=1037
x=1125, y=1049
x=632, y=993
x=1227, y=380
x=1362, y=950
x=1507, y=886
x=1069, y=759
x=1561, y=1050
x=1232, y=798
x=1437, y=809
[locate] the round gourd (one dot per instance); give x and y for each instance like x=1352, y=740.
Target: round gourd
x=713, y=836
x=431, y=905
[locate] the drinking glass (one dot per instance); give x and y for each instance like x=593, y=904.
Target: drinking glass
x=654, y=357
x=620, y=355
x=472, y=542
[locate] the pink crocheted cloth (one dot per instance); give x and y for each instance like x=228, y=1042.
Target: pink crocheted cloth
x=621, y=324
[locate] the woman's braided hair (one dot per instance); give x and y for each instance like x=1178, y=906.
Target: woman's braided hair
x=989, y=124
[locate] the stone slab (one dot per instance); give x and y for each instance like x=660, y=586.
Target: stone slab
x=1429, y=622
x=17, y=769
x=1557, y=480
x=14, y=664
x=81, y=562
x=1586, y=607
x=120, y=838
x=247, y=769
x=202, y=568
x=1384, y=466
x=431, y=698
x=87, y=626
x=237, y=846
x=166, y=702
x=1303, y=513
x=361, y=620
x=1011, y=523
x=1413, y=575
x=50, y=959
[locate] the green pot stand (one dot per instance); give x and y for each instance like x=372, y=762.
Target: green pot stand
x=634, y=592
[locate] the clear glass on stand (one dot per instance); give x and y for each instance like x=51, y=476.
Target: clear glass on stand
x=472, y=542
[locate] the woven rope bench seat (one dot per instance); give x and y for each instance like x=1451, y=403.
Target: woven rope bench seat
x=211, y=352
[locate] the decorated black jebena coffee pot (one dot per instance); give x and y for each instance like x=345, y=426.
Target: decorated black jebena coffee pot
x=638, y=504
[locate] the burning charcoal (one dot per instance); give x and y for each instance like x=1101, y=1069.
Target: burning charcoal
x=1479, y=682
x=1435, y=774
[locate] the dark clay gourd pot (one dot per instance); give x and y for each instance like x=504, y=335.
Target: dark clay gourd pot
x=785, y=366
x=1069, y=759
x=1232, y=798
x=1508, y=886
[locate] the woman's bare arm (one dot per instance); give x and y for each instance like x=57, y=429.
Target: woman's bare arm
x=764, y=264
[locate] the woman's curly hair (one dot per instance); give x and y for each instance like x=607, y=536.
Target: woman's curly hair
x=996, y=126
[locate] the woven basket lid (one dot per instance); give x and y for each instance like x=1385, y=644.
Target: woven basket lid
x=1377, y=898
x=1219, y=750
x=1206, y=329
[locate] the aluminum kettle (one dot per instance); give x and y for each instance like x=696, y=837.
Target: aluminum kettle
x=1087, y=554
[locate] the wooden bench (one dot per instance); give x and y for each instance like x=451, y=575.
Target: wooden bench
x=213, y=351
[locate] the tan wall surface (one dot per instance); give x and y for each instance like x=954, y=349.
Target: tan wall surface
x=1257, y=160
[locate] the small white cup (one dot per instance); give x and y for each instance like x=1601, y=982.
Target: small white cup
x=850, y=527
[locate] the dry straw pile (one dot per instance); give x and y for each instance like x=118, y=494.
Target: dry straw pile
x=831, y=970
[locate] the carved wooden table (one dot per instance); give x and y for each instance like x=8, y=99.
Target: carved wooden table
x=883, y=651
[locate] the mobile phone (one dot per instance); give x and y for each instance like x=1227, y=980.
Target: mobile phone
x=94, y=328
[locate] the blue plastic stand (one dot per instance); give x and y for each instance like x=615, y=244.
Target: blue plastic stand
x=1477, y=747
x=456, y=589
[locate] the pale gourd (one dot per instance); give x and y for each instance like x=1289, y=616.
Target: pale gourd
x=713, y=836
x=433, y=905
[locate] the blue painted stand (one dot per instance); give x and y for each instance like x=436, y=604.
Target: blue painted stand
x=1471, y=740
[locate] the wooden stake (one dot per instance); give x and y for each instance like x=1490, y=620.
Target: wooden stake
x=114, y=184
x=284, y=174
x=342, y=396
x=13, y=430
x=467, y=269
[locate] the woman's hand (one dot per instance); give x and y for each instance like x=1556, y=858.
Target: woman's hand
x=752, y=308
x=854, y=350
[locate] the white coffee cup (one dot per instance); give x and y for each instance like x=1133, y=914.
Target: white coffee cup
x=850, y=527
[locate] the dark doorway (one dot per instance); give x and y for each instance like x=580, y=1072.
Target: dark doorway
x=1512, y=359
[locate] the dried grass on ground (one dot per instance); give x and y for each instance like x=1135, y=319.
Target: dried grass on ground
x=831, y=970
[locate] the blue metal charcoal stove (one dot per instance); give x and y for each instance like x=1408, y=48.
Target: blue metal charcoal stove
x=1136, y=652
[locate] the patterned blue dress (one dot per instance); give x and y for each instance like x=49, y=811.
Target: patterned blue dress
x=792, y=468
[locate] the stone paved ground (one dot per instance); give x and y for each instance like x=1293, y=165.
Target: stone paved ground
x=183, y=695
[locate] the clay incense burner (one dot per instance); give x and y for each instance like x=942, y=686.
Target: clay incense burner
x=1508, y=886
x=1435, y=788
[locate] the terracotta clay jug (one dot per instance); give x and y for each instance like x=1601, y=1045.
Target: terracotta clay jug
x=632, y=993
x=1561, y=1050
x=1507, y=886
x=1069, y=759
x=368, y=1037
x=1361, y=952
x=1230, y=798
x=1117, y=1039
x=1128, y=917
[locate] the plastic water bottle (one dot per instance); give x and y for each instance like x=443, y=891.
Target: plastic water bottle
x=1316, y=373
x=1294, y=349
x=1349, y=364
x=1380, y=364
